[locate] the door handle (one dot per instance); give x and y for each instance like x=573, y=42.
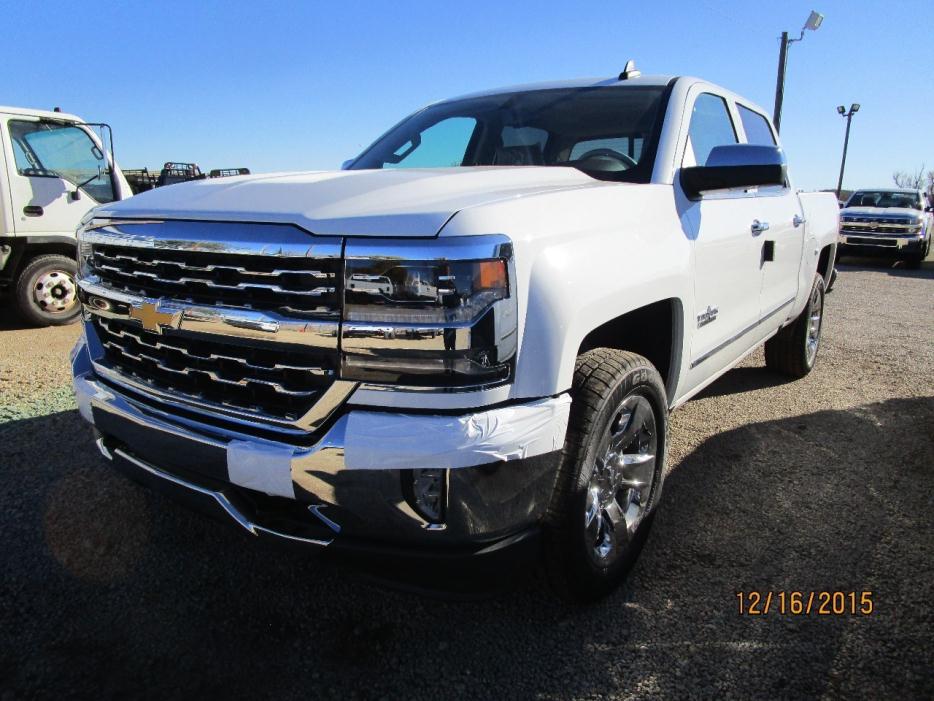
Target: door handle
x=758, y=227
x=798, y=220
x=32, y=210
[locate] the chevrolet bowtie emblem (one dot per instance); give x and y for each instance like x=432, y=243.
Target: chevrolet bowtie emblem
x=152, y=319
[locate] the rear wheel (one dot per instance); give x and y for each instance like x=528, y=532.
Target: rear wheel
x=611, y=473
x=46, y=292
x=793, y=350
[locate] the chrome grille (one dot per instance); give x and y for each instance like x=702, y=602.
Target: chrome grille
x=277, y=382
x=235, y=321
x=884, y=226
x=293, y=286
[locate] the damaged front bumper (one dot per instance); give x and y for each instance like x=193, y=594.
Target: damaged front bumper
x=350, y=491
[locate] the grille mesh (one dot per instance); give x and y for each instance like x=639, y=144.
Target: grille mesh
x=280, y=382
x=296, y=287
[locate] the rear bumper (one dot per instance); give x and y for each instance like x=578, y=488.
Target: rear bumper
x=331, y=498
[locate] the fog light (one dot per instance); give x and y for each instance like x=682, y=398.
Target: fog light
x=426, y=492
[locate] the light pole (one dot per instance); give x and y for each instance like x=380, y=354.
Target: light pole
x=813, y=23
x=841, y=110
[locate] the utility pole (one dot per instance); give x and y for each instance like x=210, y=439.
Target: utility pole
x=841, y=110
x=813, y=23
x=780, y=83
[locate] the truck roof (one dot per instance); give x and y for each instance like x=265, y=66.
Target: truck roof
x=887, y=189
x=574, y=83
x=44, y=114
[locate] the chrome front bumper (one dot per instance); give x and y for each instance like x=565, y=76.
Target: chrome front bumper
x=348, y=486
x=896, y=244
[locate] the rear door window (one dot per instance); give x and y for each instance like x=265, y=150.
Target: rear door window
x=756, y=127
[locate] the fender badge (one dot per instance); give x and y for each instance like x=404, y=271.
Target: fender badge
x=706, y=317
x=152, y=319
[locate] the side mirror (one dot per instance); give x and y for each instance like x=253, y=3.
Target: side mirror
x=929, y=208
x=734, y=166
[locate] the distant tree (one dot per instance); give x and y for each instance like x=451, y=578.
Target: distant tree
x=918, y=180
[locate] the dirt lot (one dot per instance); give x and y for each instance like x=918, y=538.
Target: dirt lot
x=824, y=484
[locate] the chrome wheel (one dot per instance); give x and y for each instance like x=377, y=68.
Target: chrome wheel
x=815, y=308
x=55, y=292
x=621, y=480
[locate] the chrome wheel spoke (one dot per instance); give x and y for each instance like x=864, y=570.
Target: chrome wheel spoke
x=629, y=425
x=621, y=479
x=614, y=515
x=814, y=326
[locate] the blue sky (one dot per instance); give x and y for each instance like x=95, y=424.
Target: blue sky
x=304, y=85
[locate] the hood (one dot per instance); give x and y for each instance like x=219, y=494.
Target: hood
x=881, y=212
x=349, y=203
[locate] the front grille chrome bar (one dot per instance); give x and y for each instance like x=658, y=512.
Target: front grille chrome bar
x=182, y=281
x=235, y=322
x=137, y=261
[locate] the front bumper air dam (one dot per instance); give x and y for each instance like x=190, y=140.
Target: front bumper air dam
x=858, y=243
x=344, y=494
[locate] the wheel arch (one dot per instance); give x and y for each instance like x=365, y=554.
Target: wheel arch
x=826, y=261
x=28, y=248
x=654, y=330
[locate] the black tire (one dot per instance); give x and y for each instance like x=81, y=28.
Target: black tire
x=605, y=380
x=914, y=262
x=788, y=351
x=48, y=306
x=833, y=279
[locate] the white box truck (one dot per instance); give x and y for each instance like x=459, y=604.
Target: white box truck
x=54, y=168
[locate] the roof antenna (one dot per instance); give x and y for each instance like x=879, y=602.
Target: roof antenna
x=630, y=71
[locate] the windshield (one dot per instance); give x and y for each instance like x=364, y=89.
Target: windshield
x=884, y=198
x=607, y=132
x=55, y=150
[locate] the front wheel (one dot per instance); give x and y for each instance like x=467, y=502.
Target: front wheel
x=46, y=292
x=611, y=473
x=793, y=350
x=915, y=261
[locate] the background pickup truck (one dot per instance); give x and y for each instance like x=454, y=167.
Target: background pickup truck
x=464, y=347
x=889, y=222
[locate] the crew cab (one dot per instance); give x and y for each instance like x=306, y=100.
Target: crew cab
x=463, y=347
x=887, y=221
x=54, y=168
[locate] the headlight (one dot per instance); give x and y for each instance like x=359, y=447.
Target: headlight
x=84, y=247
x=438, y=315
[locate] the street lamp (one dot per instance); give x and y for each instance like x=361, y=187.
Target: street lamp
x=841, y=110
x=813, y=23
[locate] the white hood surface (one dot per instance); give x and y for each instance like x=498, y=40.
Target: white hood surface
x=349, y=203
x=881, y=212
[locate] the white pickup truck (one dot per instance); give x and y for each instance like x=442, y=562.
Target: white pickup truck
x=54, y=168
x=463, y=347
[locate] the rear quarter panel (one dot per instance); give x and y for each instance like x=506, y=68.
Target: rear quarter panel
x=822, y=215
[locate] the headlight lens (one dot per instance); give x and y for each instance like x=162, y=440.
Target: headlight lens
x=448, y=320
x=423, y=292
x=84, y=247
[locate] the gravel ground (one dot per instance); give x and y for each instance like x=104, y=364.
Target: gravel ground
x=823, y=484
